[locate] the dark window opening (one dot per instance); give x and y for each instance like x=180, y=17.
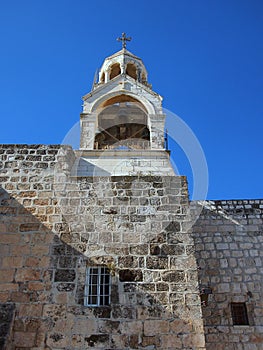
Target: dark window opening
x=239, y=314
x=131, y=71
x=122, y=124
x=134, y=136
x=97, y=287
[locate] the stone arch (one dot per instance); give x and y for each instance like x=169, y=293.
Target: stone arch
x=116, y=97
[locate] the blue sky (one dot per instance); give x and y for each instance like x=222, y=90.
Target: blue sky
x=204, y=57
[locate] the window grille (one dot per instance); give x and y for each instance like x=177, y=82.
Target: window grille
x=97, y=287
x=239, y=314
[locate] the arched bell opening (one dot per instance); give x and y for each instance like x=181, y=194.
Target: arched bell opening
x=102, y=79
x=131, y=70
x=144, y=79
x=123, y=123
x=115, y=70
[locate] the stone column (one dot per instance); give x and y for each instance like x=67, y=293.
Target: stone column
x=139, y=74
x=157, y=130
x=107, y=76
x=123, y=68
x=88, y=127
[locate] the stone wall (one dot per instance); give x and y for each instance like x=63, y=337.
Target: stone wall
x=228, y=243
x=54, y=225
x=6, y=319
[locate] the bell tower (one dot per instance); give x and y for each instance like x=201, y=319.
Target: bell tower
x=97, y=245
x=126, y=215
x=123, y=116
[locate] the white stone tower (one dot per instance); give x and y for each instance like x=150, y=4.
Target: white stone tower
x=122, y=124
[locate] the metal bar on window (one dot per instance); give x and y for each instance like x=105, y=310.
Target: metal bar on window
x=97, y=287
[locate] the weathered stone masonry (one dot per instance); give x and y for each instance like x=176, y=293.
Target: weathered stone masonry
x=228, y=244
x=54, y=225
x=44, y=254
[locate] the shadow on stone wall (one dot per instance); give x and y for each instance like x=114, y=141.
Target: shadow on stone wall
x=42, y=285
x=25, y=279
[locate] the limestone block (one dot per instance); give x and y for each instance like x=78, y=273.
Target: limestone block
x=152, y=327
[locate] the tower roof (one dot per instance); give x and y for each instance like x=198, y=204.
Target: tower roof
x=123, y=52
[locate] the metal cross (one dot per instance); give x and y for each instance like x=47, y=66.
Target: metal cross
x=124, y=38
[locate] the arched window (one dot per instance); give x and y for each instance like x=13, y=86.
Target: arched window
x=131, y=71
x=115, y=70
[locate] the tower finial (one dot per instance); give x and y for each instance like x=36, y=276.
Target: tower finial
x=124, y=38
